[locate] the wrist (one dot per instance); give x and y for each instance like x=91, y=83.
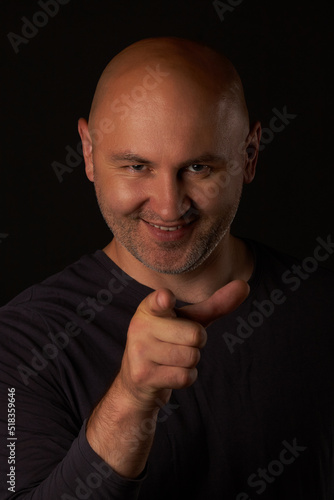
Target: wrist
x=141, y=400
x=120, y=431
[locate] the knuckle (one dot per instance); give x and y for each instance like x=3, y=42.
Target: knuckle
x=194, y=357
x=178, y=378
x=137, y=350
x=140, y=374
x=187, y=377
x=198, y=335
x=203, y=337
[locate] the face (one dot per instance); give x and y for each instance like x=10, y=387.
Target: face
x=169, y=178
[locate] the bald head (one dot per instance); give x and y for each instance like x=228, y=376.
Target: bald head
x=189, y=65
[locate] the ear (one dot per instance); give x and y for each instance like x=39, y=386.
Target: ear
x=87, y=148
x=252, y=144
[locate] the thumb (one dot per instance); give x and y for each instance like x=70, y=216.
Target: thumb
x=160, y=303
x=223, y=301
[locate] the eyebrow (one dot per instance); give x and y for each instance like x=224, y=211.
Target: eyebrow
x=134, y=158
x=128, y=156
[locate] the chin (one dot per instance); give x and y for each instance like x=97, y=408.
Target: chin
x=177, y=266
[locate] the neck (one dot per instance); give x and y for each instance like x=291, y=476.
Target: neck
x=231, y=260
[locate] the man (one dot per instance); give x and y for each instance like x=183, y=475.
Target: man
x=151, y=369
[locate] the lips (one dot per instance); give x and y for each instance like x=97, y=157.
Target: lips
x=166, y=228
x=168, y=233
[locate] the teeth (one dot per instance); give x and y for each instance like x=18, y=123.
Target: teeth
x=167, y=228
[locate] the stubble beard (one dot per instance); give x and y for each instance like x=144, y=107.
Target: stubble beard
x=125, y=230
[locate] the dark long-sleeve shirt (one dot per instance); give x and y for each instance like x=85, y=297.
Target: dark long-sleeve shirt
x=258, y=422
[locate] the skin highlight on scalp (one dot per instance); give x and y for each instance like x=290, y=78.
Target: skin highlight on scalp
x=184, y=60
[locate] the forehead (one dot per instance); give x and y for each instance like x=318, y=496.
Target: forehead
x=157, y=105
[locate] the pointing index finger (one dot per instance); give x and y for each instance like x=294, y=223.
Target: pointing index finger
x=159, y=303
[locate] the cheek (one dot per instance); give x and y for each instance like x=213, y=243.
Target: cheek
x=117, y=196
x=214, y=195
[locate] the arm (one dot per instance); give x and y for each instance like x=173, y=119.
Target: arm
x=51, y=456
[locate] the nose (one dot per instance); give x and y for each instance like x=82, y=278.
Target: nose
x=168, y=197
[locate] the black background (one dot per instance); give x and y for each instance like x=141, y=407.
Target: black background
x=284, y=53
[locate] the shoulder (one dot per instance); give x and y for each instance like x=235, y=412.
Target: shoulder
x=60, y=285
x=77, y=309
x=26, y=315
x=306, y=283
x=271, y=261
x=91, y=289
x=90, y=276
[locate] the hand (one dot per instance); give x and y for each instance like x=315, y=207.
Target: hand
x=163, y=343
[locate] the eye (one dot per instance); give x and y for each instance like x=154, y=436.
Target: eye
x=196, y=168
x=136, y=168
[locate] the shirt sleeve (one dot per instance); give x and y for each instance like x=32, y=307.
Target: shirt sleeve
x=44, y=453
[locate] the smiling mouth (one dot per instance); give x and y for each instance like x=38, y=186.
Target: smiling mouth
x=166, y=228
